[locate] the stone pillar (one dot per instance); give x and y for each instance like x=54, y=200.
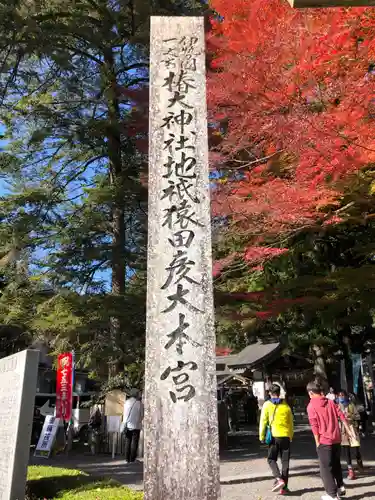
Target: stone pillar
x=18, y=380
x=181, y=437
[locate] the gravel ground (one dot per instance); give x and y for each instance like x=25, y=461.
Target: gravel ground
x=244, y=470
x=249, y=465
x=306, y=488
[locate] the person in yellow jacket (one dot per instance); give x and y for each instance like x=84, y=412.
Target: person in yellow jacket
x=276, y=428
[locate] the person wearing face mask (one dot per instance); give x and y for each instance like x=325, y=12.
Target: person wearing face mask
x=332, y=395
x=350, y=441
x=276, y=420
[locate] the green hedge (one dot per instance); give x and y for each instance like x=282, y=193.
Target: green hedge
x=45, y=483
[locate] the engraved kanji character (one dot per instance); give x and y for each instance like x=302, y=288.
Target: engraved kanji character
x=179, y=98
x=179, y=189
x=179, y=298
x=184, y=168
x=180, y=214
x=179, y=337
x=185, y=82
x=182, y=143
x=187, y=397
x=179, y=268
x=182, y=239
x=191, y=365
x=180, y=380
x=168, y=143
x=169, y=80
x=183, y=118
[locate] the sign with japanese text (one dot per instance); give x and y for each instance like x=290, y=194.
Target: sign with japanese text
x=64, y=386
x=47, y=437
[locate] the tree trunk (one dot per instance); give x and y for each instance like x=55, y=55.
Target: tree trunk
x=348, y=362
x=118, y=254
x=118, y=212
x=320, y=370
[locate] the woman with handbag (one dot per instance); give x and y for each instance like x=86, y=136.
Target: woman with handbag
x=276, y=430
x=132, y=424
x=350, y=443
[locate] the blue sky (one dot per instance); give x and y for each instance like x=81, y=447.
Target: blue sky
x=4, y=189
x=3, y=184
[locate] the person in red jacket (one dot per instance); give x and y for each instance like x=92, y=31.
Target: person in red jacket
x=324, y=416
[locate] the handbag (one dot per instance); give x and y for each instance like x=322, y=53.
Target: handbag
x=124, y=425
x=269, y=436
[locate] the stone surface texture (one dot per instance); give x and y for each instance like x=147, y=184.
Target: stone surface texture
x=181, y=439
x=18, y=379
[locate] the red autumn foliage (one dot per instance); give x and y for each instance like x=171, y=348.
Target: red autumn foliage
x=136, y=123
x=255, y=255
x=292, y=94
x=221, y=264
x=223, y=351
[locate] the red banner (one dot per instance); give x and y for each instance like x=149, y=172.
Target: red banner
x=64, y=386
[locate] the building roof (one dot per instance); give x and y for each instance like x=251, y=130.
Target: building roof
x=222, y=380
x=226, y=360
x=253, y=355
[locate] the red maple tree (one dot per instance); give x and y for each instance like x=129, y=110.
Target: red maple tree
x=292, y=107
x=223, y=351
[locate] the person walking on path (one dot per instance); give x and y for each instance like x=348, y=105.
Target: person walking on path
x=233, y=412
x=132, y=424
x=276, y=429
x=324, y=416
x=94, y=426
x=352, y=441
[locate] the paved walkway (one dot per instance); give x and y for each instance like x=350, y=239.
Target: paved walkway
x=244, y=470
x=245, y=474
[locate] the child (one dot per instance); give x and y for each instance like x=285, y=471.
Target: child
x=352, y=440
x=324, y=416
x=277, y=415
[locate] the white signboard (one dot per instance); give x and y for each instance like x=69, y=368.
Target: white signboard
x=47, y=437
x=46, y=409
x=259, y=392
x=113, y=428
x=113, y=423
